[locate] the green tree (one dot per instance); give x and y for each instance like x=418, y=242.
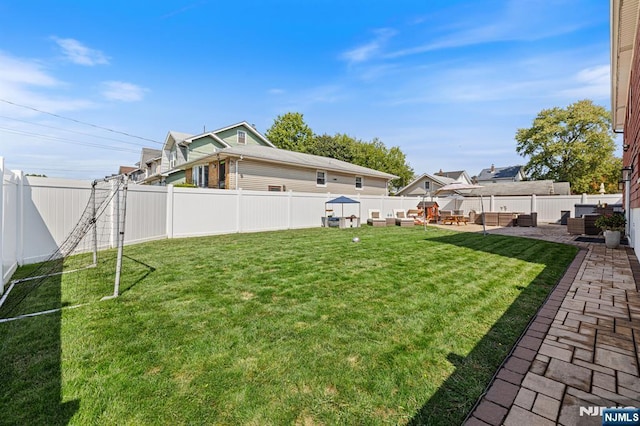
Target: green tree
x=289, y=131
x=376, y=155
x=340, y=146
x=573, y=144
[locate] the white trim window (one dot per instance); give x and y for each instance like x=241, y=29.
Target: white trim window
x=173, y=158
x=321, y=178
x=242, y=137
x=427, y=185
x=200, y=175
x=359, y=182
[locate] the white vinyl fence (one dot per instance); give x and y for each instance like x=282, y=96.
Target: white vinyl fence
x=37, y=214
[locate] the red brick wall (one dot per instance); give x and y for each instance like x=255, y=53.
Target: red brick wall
x=632, y=128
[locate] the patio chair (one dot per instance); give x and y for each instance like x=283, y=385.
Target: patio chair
x=375, y=219
x=417, y=215
x=401, y=218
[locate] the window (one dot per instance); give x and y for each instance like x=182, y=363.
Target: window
x=275, y=188
x=358, y=182
x=427, y=185
x=242, y=137
x=173, y=157
x=200, y=176
x=321, y=178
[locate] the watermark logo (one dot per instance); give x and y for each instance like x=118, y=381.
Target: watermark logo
x=614, y=416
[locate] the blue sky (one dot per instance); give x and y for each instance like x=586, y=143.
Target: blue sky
x=449, y=82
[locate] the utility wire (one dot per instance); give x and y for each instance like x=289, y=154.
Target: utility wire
x=78, y=121
x=72, y=131
x=41, y=136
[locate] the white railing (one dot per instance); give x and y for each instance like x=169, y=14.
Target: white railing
x=38, y=213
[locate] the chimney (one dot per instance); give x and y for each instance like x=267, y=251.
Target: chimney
x=440, y=173
x=493, y=168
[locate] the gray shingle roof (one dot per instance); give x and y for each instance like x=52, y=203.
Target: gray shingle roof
x=537, y=187
x=284, y=156
x=149, y=154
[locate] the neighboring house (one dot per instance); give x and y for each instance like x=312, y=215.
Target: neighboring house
x=126, y=170
x=458, y=176
x=149, y=167
x=500, y=174
x=625, y=105
x=532, y=187
x=240, y=157
x=264, y=168
x=429, y=183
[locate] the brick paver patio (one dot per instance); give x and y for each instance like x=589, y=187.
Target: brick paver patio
x=581, y=350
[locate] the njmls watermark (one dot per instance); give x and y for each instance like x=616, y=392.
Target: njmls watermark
x=614, y=416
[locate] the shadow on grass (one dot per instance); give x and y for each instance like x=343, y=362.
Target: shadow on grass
x=146, y=271
x=31, y=356
x=31, y=347
x=458, y=394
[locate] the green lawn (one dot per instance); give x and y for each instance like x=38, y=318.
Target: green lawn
x=290, y=327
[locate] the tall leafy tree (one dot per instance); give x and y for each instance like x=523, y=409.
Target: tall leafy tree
x=573, y=144
x=340, y=146
x=376, y=155
x=289, y=131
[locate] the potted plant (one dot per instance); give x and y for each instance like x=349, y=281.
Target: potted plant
x=611, y=225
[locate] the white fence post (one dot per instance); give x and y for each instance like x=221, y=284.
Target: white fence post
x=169, y=227
x=534, y=203
x=20, y=217
x=1, y=225
x=289, y=209
x=239, y=210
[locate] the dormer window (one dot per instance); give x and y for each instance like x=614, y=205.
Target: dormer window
x=173, y=157
x=242, y=137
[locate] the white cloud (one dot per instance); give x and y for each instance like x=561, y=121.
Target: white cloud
x=121, y=91
x=593, y=82
x=276, y=91
x=517, y=20
x=370, y=49
x=80, y=54
x=19, y=77
x=24, y=72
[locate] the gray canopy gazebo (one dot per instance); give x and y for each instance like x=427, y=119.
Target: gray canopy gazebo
x=342, y=200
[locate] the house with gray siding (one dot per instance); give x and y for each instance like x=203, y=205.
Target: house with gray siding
x=240, y=157
x=428, y=184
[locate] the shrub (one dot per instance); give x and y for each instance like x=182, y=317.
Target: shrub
x=611, y=222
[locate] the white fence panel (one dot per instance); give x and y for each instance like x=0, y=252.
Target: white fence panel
x=512, y=204
x=52, y=207
x=146, y=213
x=306, y=209
x=263, y=211
x=199, y=212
